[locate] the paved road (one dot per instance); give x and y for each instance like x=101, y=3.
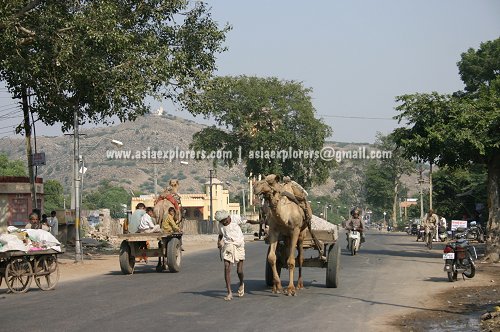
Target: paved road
x=387, y=277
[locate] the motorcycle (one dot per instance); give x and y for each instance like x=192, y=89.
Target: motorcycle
x=475, y=232
x=442, y=233
x=459, y=256
x=414, y=229
x=421, y=233
x=353, y=241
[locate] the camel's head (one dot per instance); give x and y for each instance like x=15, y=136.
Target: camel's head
x=261, y=188
x=174, y=183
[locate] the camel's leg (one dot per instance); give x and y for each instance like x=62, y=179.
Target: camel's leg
x=291, y=260
x=300, y=259
x=271, y=258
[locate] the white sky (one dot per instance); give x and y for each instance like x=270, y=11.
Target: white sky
x=356, y=55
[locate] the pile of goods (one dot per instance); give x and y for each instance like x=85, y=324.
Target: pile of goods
x=28, y=240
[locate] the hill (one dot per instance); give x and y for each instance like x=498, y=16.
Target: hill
x=165, y=133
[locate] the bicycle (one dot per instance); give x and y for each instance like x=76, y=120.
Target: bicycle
x=428, y=238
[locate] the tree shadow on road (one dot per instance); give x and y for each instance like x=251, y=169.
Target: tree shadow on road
x=394, y=304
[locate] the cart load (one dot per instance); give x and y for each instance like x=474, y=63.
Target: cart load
x=27, y=255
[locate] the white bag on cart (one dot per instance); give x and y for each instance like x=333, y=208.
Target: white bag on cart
x=9, y=242
x=45, y=238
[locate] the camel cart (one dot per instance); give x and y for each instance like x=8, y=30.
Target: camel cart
x=19, y=268
x=139, y=246
x=328, y=257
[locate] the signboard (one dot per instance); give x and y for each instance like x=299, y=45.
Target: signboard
x=69, y=217
x=458, y=223
x=38, y=159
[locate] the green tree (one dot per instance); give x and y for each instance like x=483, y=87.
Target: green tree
x=264, y=114
x=53, y=195
x=461, y=129
x=11, y=167
x=395, y=166
x=109, y=197
x=103, y=57
x=379, y=189
x=457, y=191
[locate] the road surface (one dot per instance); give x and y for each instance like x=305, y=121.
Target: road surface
x=391, y=275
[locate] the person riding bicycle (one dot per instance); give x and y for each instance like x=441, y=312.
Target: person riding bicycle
x=431, y=221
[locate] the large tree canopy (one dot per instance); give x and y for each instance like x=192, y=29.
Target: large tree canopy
x=264, y=114
x=103, y=57
x=463, y=128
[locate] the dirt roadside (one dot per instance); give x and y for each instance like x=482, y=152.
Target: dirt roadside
x=101, y=262
x=459, y=307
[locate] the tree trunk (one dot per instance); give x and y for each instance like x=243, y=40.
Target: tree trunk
x=493, y=227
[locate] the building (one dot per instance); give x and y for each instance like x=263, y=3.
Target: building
x=15, y=200
x=196, y=207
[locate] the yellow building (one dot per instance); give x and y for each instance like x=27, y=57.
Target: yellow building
x=197, y=206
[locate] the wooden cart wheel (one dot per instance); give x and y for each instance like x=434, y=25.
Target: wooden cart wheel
x=127, y=261
x=174, y=255
x=46, y=272
x=18, y=275
x=332, y=268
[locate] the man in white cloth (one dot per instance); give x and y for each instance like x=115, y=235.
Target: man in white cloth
x=232, y=245
x=146, y=224
x=54, y=224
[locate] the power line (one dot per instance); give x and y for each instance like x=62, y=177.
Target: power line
x=9, y=108
x=11, y=117
x=355, y=117
x=11, y=126
x=7, y=132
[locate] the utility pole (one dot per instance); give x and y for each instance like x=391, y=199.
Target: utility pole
x=420, y=183
x=244, y=199
x=430, y=186
x=29, y=152
x=211, y=199
x=155, y=178
x=76, y=178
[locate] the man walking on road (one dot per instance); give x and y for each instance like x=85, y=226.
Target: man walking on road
x=232, y=245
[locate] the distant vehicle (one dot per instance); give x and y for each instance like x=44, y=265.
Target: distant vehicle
x=414, y=228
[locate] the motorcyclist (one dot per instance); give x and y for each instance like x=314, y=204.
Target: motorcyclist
x=356, y=223
x=431, y=222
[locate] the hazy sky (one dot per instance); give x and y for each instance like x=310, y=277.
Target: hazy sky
x=355, y=55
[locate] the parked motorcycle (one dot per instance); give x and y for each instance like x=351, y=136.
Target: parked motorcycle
x=353, y=241
x=459, y=257
x=442, y=233
x=475, y=232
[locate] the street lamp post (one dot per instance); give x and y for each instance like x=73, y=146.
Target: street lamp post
x=78, y=183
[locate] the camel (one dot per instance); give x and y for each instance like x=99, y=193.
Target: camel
x=286, y=218
x=168, y=198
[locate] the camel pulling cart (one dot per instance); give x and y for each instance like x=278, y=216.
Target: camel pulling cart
x=19, y=268
x=139, y=246
x=328, y=248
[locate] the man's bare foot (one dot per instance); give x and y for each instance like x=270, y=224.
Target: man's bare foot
x=228, y=297
x=241, y=290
